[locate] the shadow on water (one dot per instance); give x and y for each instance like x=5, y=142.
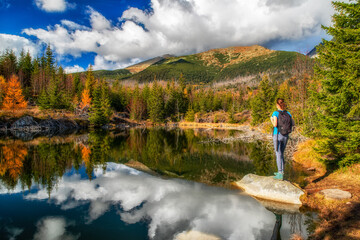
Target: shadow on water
x=59, y=169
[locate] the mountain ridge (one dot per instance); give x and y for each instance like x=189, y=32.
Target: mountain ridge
x=221, y=64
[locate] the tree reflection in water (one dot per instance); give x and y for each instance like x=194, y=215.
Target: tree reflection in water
x=61, y=166
x=174, y=153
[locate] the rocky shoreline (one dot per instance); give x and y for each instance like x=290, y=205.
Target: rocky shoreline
x=27, y=127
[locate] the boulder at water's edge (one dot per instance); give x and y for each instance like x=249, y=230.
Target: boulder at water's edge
x=270, y=189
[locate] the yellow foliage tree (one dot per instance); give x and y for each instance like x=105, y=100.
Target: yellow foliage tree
x=85, y=99
x=12, y=162
x=2, y=88
x=13, y=95
x=85, y=154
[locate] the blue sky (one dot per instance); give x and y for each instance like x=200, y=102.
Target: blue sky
x=111, y=34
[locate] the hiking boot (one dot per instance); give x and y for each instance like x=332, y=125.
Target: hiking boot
x=279, y=176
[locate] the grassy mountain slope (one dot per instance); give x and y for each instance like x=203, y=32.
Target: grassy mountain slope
x=221, y=64
x=213, y=65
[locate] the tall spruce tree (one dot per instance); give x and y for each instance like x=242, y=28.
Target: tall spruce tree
x=90, y=80
x=156, y=103
x=8, y=64
x=100, y=111
x=49, y=64
x=105, y=100
x=338, y=99
x=261, y=103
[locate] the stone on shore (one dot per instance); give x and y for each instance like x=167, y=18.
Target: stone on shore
x=195, y=235
x=270, y=189
x=26, y=124
x=335, y=194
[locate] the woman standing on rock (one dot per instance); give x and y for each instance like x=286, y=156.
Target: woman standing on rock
x=283, y=123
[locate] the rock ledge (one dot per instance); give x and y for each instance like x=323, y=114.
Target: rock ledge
x=270, y=189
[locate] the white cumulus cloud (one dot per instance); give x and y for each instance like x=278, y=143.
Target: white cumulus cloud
x=53, y=5
x=74, y=69
x=17, y=43
x=187, y=26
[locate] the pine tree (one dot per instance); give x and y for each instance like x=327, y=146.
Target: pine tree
x=100, y=111
x=171, y=104
x=97, y=117
x=77, y=86
x=338, y=99
x=105, y=100
x=145, y=94
x=27, y=69
x=35, y=77
x=13, y=97
x=137, y=106
x=8, y=64
x=43, y=100
x=54, y=93
x=90, y=80
x=118, y=98
x=182, y=83
x=48, y=64
x=190, y=115
x=261, y=103
x=156, y=103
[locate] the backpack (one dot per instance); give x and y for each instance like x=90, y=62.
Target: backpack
x=284, y=123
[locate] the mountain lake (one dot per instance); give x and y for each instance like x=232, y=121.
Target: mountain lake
x=140, y=184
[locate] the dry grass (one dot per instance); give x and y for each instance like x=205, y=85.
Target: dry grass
x=340, y=219
x=241, y=80
x=235, y=54
x=309, y=158
x=37, y=113
x=296, y=237
x=185, y=124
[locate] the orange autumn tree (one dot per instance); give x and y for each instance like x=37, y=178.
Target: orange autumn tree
x=12, y=161
x=2, y=88
x=85, y=99
x=13, y=95
x=85, y=154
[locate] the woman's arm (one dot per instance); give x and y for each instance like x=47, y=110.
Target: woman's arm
x=274, y=121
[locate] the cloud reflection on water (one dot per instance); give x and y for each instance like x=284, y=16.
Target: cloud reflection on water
x=54, y=228
x=170, y=206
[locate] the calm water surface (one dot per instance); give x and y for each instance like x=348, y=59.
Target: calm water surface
x=138, y=184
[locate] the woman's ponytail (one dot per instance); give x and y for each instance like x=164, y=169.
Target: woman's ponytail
x=281, y=103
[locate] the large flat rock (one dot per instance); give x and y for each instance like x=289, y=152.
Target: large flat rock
x=270, y=189
x=335, y=194
x=195, y=235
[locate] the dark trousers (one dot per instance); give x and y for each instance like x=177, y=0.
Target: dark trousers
x=280, y=142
